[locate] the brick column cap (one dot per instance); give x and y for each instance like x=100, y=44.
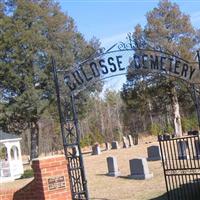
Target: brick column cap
x=49, y=158
x=49, y=161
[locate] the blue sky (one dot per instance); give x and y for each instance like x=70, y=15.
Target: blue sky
x=111, y=20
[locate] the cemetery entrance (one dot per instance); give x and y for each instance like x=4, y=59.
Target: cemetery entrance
x=112, y=62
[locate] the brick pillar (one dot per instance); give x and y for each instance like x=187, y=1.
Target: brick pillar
x=51, y=178
x=51, y=181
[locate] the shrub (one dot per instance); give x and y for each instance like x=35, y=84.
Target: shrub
x=189, y=123
x=155, y=129
x=99, y=138
x=92, y=138
x=27, y=174
x=117, y=135
x=169, y=129
x=87, y=140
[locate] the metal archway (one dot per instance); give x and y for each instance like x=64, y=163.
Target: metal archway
x=95, y=69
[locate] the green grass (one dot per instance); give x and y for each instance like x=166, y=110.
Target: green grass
x=27, y=174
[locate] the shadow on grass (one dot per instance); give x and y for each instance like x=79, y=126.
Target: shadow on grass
x=99, y=199
x=189, y=191
x=101, y=174
x=127, y=177
x=87, y=152
x=163, y=197
x=124, y=177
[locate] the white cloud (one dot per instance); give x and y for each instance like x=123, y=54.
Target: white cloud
x=109, y=41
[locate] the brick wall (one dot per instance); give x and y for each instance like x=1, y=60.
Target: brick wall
x=51, y=182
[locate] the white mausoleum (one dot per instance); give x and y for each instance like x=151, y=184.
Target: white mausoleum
x=11, y=166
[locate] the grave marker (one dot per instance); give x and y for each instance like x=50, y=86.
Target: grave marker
x=125, y=142
x=107, y=144
x=153, y=153
x=182, y=150
x=113, y=169
x=115, y=145
x=96, y=149
x=139, y=169
x=130, y=140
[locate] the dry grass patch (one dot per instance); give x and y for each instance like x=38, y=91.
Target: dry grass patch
x=102, y=187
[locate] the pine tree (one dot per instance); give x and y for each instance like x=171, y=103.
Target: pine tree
x=170, y=30
x=32, y=32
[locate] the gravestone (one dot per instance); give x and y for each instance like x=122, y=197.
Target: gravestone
x=113, y=169
x=190, y=132
x=160, y=137
x=153, y=153
x=135, y=139
x=139, y=169
x=195, y=132
x=173, y=136
x=96, y=149
x=115, y=145
x=130, y=140
x=75, y=151
x=166, y=137
x=107, y=144
x=125, y=142
x=182, y=150
x=197, y=148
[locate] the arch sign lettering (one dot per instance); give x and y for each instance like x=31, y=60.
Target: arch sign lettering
x=123, y=56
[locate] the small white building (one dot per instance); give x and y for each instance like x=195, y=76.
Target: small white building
x=11, y=166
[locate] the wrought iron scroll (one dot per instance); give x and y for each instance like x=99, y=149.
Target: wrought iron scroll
x=70, y=136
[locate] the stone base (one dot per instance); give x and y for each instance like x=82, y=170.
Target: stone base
x=141, y=177
x=154, y=159
x=114, y=174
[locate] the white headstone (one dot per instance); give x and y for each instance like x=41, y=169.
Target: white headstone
x=96, y=149
x=125, y=142
x=130, y=140
x=107, y=144
x=75, y=151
